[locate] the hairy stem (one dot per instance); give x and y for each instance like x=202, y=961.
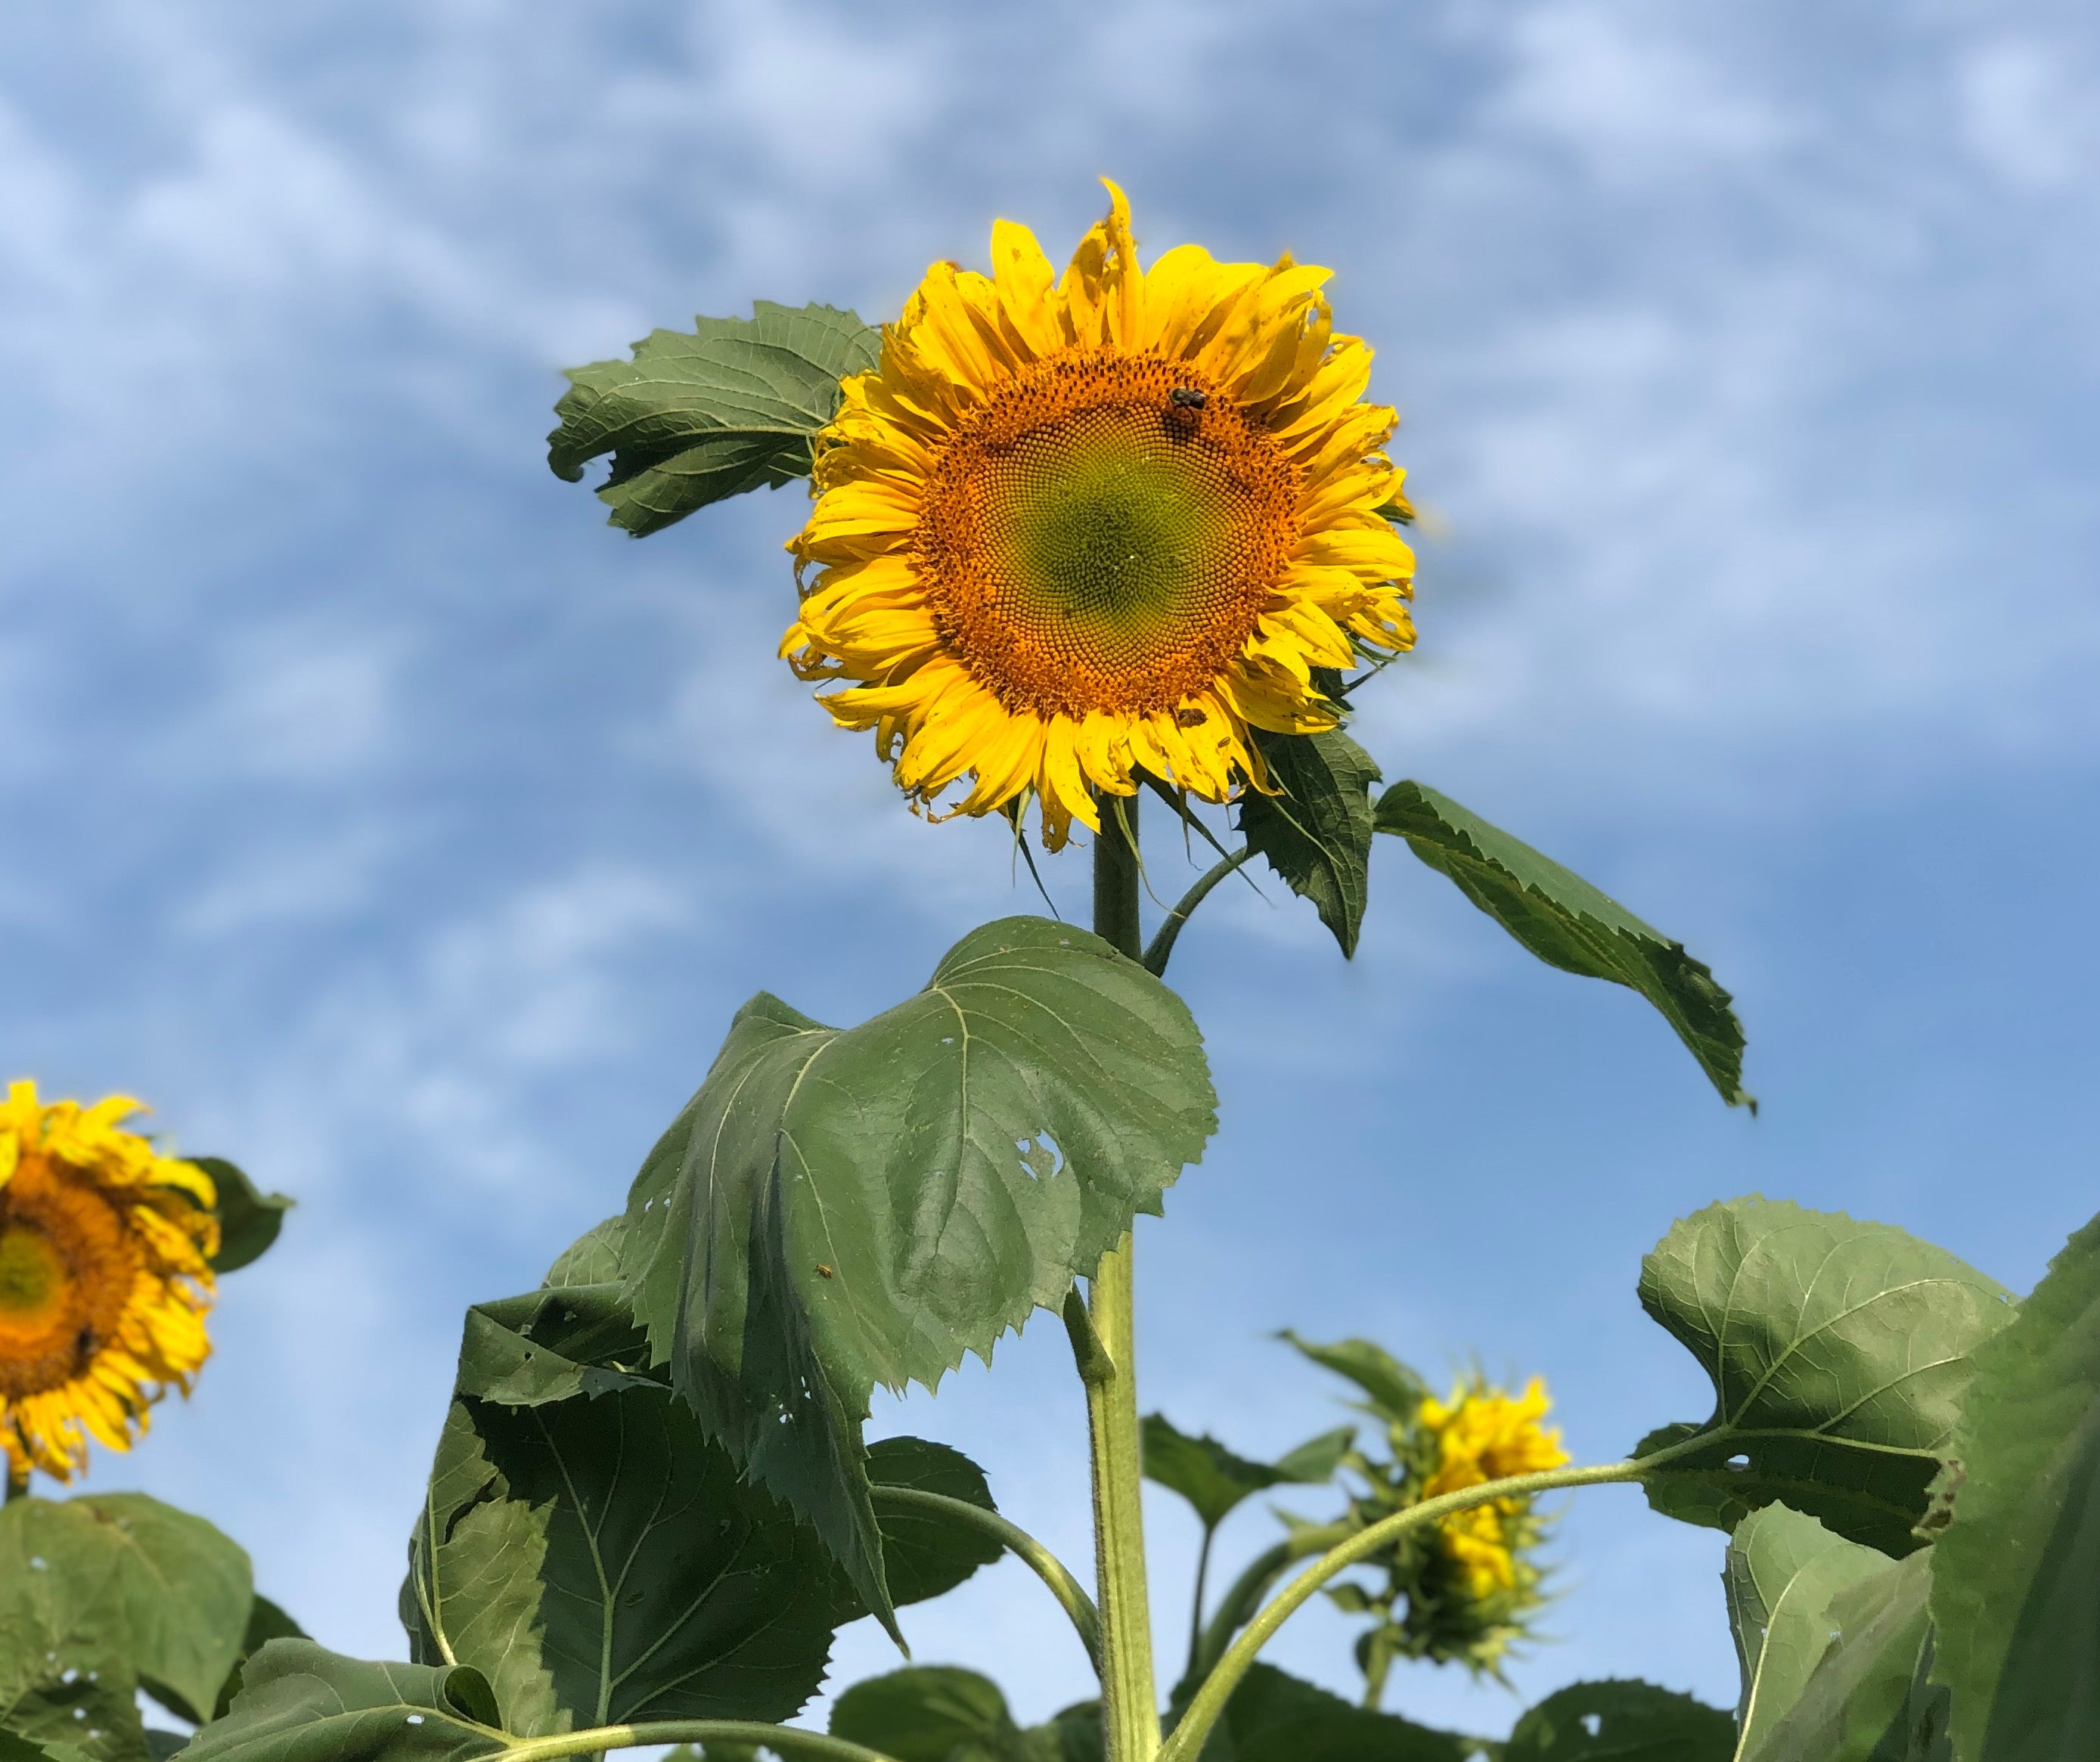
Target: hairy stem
x=1209, y=1702
x=1016, y=1541
x=1160, y=948
x=1130, y=1707
x=787, y=1740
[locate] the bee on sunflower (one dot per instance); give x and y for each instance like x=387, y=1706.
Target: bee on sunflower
x=1071, y=530
x=106, y=1248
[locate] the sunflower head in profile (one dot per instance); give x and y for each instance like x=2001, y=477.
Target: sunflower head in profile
x=1075, y=529
x=105, y=1275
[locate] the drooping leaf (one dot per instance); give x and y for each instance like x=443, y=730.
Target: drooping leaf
x=162, y=1745
x=1394, y=1391
x=248, y=1219
x=930, y=1713
x=600, y=1560
x=552, y=1345
x=925, y=1555
x=1215, y=1481
x=1839, y=1353
x=696, y=416
x=836, y=1209
x=265, y=1622
x=1784, y=1570
x=303, y=1704
x=1621, y=1721
x=2016, y=1579
x=1569, y=924
x=1316, y=834
x=1273, y=1717
x=1854, y=1706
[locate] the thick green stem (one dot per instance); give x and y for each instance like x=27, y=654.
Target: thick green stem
x=786, y=1740
x=1016, y=1541
x=1130, y=1705
x=1217, y=1689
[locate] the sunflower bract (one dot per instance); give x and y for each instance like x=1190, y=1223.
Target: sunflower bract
x=105, y=1276
x=1074, y=529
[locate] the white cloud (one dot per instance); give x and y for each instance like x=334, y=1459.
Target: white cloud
x=2030, y=110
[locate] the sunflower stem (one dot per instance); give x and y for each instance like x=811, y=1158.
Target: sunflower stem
x=18, y=1485
x=1130, y=1705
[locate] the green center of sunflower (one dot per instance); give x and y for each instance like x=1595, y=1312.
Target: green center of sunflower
x=29, y=1270
x=1105, y=537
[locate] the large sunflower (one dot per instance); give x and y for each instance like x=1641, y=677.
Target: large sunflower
x=105, y=1274
x=1073, y=529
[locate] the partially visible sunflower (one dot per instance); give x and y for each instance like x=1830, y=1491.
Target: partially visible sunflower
x=105, y=1275
x=1071, y=529
x=1483, y=1435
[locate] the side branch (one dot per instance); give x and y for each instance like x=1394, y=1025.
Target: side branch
x=787, y=1740
x=1209, y=1702
x=1016, y=1541
x=1160, y=948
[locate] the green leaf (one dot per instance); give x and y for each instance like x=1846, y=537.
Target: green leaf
x=699, y=415
x=1568, y=924
x=1272, y=1717
x=594, y=1257
x=931, y=1713
x=1395, y=1392
x=1855, y=1706
x=1316, y=834
x=553, y=1344
x=2016, y=1583
x=1839, y=1353
x=265, y=1622
x=249, y=1220
x=303, y=1704
x=836, y=1209
x=14, y=1747
x=600, y=1562
x=1783, y=1572
x=1215, y=1480
x=1621, y=1722
x=102, y=1594
x=924, y=1555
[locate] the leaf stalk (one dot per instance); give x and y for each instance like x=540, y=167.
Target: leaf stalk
x=789, y=1740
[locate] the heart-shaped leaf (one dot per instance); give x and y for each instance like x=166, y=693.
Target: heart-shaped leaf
x=248, y=1219
x=1839, y=1353
x=1569, y=924
x=699, y=415
x=839, y=1209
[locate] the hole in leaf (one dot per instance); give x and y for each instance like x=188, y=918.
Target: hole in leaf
x=1592, y=1724
x=1739, y=1461
x=1040, y=1156
x=415, y=1718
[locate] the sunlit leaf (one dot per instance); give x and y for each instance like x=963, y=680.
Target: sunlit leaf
x=839, y=1209
x=1620, y=1722
x=1783, y=1572
x=265, y=1622
x=696, y=416
x=1839, y=1354
x=1272, y=1717
x=1395, y=1392
x=1854, y=1706
x=924, y=1555
x=2016, y=1583
x=1316, y=834
x=1569, y=924
x=935, y=1713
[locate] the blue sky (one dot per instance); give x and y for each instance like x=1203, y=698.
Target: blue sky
x=398, y=830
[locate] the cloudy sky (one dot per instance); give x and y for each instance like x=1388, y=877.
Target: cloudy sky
x=400, y=831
